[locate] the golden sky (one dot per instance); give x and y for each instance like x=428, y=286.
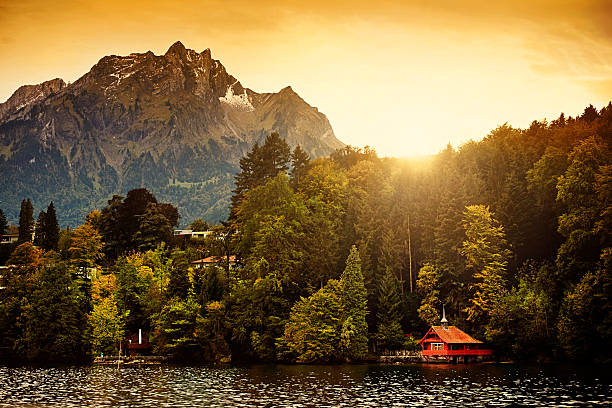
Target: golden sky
x=405, y=77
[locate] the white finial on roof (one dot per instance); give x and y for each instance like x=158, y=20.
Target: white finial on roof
x=444, y=321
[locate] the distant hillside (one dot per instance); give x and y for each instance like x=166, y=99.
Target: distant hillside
x=176, y=124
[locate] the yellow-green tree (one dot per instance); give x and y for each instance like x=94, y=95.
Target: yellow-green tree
x=486, y=256
x=108, y=326
x=86, y=246
x=314, y=329
x=427, y=287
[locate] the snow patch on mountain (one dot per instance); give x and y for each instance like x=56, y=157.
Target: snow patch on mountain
x=238, y=101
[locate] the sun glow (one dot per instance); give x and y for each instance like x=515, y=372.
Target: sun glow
x=404, y=77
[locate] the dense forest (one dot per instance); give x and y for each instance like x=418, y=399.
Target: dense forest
x=339, y=258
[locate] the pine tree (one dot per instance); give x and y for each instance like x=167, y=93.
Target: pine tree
x=3, y=223
x=179, y=284
x=258, y=166
x=134, y=206
x=354, y=337
x=53, y=322
x=577, y=191
x=26, y=221
x=52, y=229
x=300, y=163
x=275, y=155
x=40, y=230
x=390, y=331
x=176, y=327
x=111, y=227
x=154, y=228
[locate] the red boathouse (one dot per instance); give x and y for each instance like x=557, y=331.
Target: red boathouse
x=449, y=344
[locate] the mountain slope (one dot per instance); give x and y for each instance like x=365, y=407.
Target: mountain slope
x=176, y=124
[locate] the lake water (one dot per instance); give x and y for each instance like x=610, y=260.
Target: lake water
x=306, y=386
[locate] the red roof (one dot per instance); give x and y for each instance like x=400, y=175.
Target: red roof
x=215, y=259
x=453, y=335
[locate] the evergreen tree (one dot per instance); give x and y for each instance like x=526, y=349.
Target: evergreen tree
x=248, y=178
x=212, y=286
x=212, y=330
x=258, y=166
x=26, y=221
x=134, y=206
x=354, y=337
x=113, y=234
x=52, y=229
x=176, y=328
x=154, y=228
x=390, y=332
x=40, y=230
x=53, y=321
x=3, y=223
x=275, y=156
x=258, y=312
x=137, y=222
x=585, y=318
x=179, y=284
x=577, y=191
x=18, y=286
x=170, y=212
x=272, y=220
x=313, y=331
x=300, y=163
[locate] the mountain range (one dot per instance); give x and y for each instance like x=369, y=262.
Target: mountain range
x=176, y=124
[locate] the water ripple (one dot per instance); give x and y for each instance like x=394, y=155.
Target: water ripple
x=303, y=386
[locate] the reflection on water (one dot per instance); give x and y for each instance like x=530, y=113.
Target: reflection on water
x=305, y=386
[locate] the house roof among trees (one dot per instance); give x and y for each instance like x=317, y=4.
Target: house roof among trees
x=453, y=335
x=215, y=259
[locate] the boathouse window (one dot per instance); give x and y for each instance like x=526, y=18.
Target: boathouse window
x=437, y=346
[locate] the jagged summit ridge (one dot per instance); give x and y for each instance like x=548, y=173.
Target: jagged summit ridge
x=176, y=123
x=27, y=95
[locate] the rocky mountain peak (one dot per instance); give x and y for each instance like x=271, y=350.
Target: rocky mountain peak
x=176, y=123
x=206, y=53
x=176, y=48
x=27, y=95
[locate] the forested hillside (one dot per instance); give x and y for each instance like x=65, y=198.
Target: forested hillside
x=513, y=234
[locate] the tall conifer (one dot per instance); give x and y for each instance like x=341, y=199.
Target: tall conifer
x=3, y=223
x=52, y=229
x=40, y=230
x=260, y=165
x=354, y=301
x=26, y=221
